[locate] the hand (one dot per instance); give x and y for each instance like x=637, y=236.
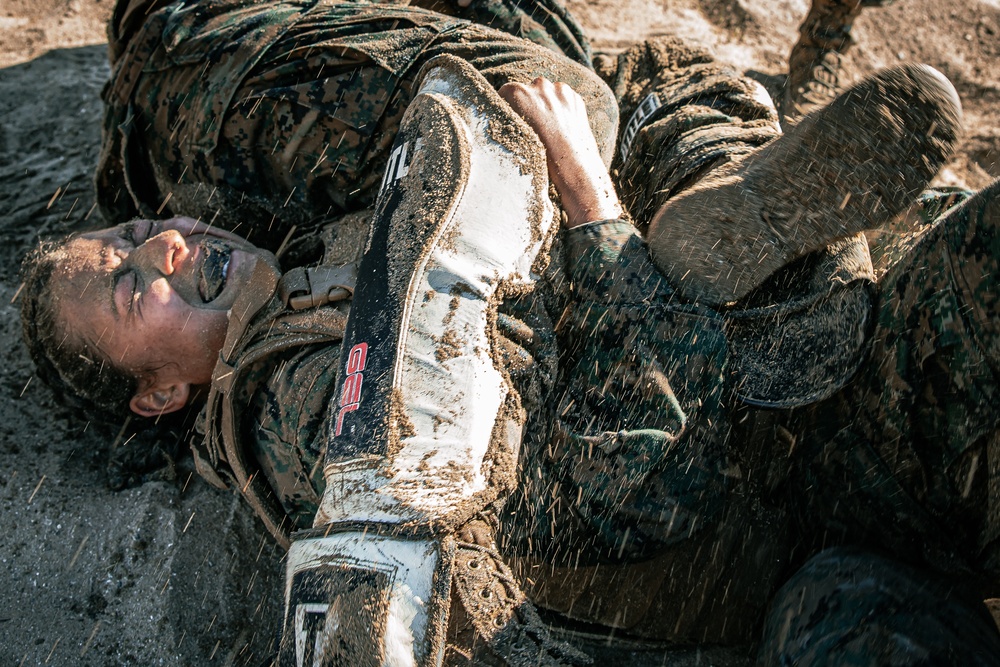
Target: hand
x=559, y=117
x=464, y=3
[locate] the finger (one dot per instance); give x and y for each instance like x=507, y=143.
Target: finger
x=509, y=91
x=524, y=99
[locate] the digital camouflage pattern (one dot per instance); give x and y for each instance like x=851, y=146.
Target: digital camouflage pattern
x=631, y=511
x=208, y=98
x=851, y=608
x=267, y=117
x=905, y=457
x=291, y=393
x=635, y=356
x=639, y=464
x=544, y=22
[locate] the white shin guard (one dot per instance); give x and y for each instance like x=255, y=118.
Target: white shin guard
x=425, y=429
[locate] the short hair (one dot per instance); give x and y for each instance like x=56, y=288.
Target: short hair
x=76, y=370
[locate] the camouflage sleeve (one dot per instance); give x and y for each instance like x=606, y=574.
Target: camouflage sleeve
x=637, y=448
x=285, y=420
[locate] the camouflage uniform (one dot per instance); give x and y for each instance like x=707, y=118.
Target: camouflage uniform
x=650, y=500
x=902, y=464
x=904, y=457
x=851, y=607
x=265, y=117
x=901, y=460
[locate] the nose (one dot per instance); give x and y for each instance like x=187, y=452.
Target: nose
x=161, y=253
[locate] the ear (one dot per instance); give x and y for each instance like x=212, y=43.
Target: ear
x=160, y=399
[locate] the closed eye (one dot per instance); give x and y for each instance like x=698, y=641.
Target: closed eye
x=127, y=232
x=127, y=293
x=138, y=232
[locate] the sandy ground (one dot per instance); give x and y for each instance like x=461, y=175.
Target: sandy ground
x=170, y=571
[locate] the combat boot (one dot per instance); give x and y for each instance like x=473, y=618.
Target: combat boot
x=851, y=166
x=817, y=69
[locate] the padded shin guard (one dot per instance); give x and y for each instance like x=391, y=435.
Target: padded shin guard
x=463, y=211
x=425, y=430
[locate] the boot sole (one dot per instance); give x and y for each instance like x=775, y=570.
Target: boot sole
x=851, y=166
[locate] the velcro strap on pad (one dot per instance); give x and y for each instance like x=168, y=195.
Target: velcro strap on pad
x=303, y=288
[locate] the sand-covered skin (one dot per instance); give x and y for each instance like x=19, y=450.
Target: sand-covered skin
x=173, y=572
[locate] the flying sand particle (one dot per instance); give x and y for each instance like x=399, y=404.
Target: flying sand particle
x=73, y=206
x=79, y=549
x=164, y=204
x=37, y=486
x=53, y=200
x=54, y=645
x=90, y=639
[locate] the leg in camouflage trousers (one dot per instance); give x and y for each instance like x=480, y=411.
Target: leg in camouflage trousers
x=729, y=201
x=816, y=67
x=713, y=115
x=907, y=457
x=851, y=607
x=324, y=90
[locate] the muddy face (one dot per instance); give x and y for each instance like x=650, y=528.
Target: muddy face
x=154, y=295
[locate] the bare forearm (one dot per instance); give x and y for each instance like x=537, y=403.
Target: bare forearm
x=559, y=117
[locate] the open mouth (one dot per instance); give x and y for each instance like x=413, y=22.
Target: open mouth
x=212, y=277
